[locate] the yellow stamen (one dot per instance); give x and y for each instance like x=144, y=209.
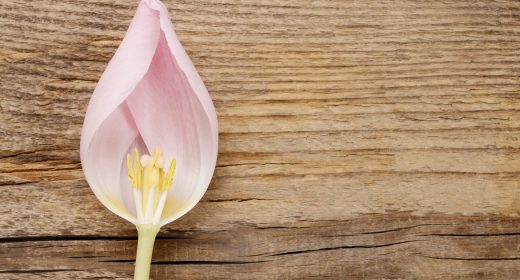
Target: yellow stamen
x=135, y=170
x=138, y=170
x=151, y=183
x=168, y=178
x=159, y=188
x=131, y=172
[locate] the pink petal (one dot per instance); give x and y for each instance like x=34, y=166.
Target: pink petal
x=150, y=96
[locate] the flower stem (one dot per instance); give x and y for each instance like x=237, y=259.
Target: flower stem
x=145, y=241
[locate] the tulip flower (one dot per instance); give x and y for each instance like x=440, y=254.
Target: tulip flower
x=150, y=136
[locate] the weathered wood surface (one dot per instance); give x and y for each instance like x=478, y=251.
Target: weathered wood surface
x=359, y=140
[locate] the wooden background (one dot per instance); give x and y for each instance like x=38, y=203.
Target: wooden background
x=359, y=140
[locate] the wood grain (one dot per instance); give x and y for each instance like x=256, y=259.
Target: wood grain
x=359, y=140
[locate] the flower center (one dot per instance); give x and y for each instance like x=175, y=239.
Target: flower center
x=150, y=184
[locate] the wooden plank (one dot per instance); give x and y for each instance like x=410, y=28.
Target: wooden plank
x=394, y=245
x=359, y=140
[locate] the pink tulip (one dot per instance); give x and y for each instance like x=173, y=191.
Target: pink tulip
x=150, y=99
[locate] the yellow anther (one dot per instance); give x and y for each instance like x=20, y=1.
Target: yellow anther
x=135, y=170
x=131, y=171
x=168, y=178
x=161, y=179
x=138, y=170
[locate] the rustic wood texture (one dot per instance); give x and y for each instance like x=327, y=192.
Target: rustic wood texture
x=359, y=140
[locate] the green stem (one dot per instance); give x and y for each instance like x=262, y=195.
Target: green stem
x=145, y=243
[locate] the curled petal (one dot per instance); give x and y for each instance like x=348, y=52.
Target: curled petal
x=150, y=96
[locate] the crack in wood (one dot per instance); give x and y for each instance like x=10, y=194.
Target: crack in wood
x=237, y=200
x=388, y=230
x=471, y=234
x=337, y=248
x=20, y=271
x=472, y=259
x=404, y=228
x=190, y=262
x=64, y=238
x=254, y=163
